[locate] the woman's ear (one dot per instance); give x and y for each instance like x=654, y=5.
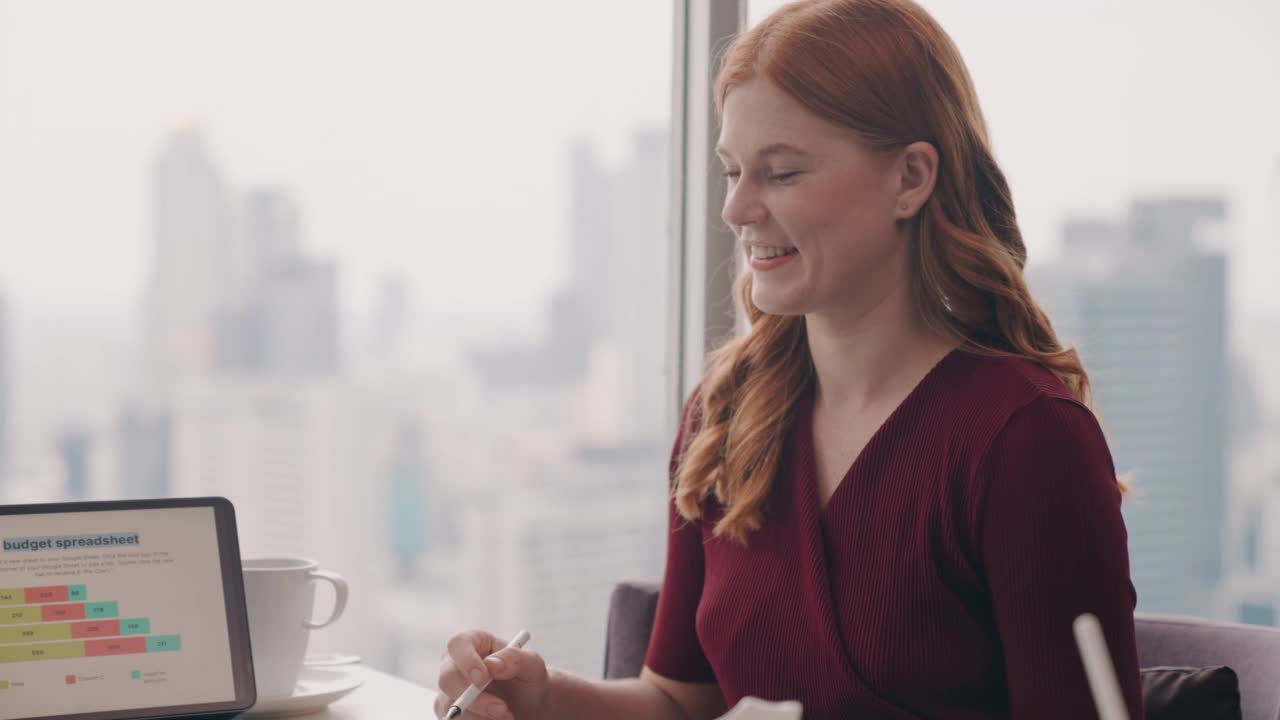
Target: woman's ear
x=917, y=172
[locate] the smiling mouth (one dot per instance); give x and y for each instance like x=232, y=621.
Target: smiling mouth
x=761, y=252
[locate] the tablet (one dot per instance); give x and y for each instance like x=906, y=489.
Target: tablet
x=123, y=609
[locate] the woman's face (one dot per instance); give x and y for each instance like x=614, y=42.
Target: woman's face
x=819, y=215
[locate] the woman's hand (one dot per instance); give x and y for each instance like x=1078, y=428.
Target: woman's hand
x=520, y=686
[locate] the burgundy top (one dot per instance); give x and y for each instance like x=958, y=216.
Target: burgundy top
x=942, y=578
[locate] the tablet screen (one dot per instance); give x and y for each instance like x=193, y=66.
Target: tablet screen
x=112, y=610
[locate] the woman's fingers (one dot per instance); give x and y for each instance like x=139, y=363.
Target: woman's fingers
x=453, y=685
x=466, y=650
x=516, y=664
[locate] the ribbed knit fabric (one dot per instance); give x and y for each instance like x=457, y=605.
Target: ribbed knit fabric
x=941, y=579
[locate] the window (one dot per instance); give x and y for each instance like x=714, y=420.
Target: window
x=392, y=277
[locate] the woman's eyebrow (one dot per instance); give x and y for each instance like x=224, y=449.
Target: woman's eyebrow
x=772, y=149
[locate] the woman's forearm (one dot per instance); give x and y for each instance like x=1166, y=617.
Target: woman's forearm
x=575, y=698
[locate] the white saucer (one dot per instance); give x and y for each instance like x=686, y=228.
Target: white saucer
x=316, y=688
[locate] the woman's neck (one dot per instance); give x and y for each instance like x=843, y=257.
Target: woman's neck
x=862, y=355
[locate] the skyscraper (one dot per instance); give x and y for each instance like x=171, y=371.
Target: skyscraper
x=145, y=447
x=607, y=327
x=73, y=451
x=194, y=276
x=300, y=458
x=553, y=555
x=286, y=319
x=410, y=511
x=1145, y=301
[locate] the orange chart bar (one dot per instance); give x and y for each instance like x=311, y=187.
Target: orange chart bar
x=118, y=646
x=53, y=613
x=59, y=593
x=95, y=629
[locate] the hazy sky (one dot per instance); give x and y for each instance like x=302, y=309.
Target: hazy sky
x=429, y=137
x=422, y=137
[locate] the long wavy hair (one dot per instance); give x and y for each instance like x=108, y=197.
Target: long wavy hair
x=887, y=71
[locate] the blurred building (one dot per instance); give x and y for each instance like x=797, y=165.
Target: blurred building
x=143, y=442
x=1146, y=302
x=73, y=453
x=607, y=328
x=552, y=557
x=301, y=460
x=194, y=275
x=592, y=513
x=1250, y=591
x=286, y=321
x=410, y=509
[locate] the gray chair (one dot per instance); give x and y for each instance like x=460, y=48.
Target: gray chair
x=1170, y=640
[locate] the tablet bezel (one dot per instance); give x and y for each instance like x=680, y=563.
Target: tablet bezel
x=233, y=603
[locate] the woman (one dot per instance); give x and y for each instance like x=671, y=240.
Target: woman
x=889, y=497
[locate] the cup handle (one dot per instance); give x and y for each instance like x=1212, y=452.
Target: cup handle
x=340, y=596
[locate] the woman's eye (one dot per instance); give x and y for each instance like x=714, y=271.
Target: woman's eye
x=783, y=177
x=730, y=173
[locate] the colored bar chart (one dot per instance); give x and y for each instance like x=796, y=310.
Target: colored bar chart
x=20, y=614
x=35, y=595
x=57, y=623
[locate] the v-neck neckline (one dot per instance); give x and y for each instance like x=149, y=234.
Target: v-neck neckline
x=812, y=515
x=876, y=438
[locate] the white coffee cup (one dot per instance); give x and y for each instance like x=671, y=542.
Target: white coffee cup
x=280, y=594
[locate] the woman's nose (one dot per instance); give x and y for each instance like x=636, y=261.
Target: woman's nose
x=741, y=207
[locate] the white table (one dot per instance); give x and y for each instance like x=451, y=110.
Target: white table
x=381, y=697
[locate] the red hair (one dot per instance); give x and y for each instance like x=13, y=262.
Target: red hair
x=887, y=71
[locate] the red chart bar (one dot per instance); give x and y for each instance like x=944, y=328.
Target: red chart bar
x=53, y=613
x=95, y=629
x=56, y=593
x=119, y=646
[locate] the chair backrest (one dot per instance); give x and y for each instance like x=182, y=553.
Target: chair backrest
x=631, y=611
x=1253, y=652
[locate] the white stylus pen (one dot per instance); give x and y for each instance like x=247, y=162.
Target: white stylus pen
x=1098, y=668
x=474, y=691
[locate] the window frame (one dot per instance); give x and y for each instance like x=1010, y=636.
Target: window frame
x=702, y=248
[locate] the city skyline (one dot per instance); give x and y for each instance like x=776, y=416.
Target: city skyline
x=231, y=400
x=1076, y=134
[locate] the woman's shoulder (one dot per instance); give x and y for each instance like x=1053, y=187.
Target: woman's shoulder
x=1019, y=423
x=985, y=395
x=1013, y=380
